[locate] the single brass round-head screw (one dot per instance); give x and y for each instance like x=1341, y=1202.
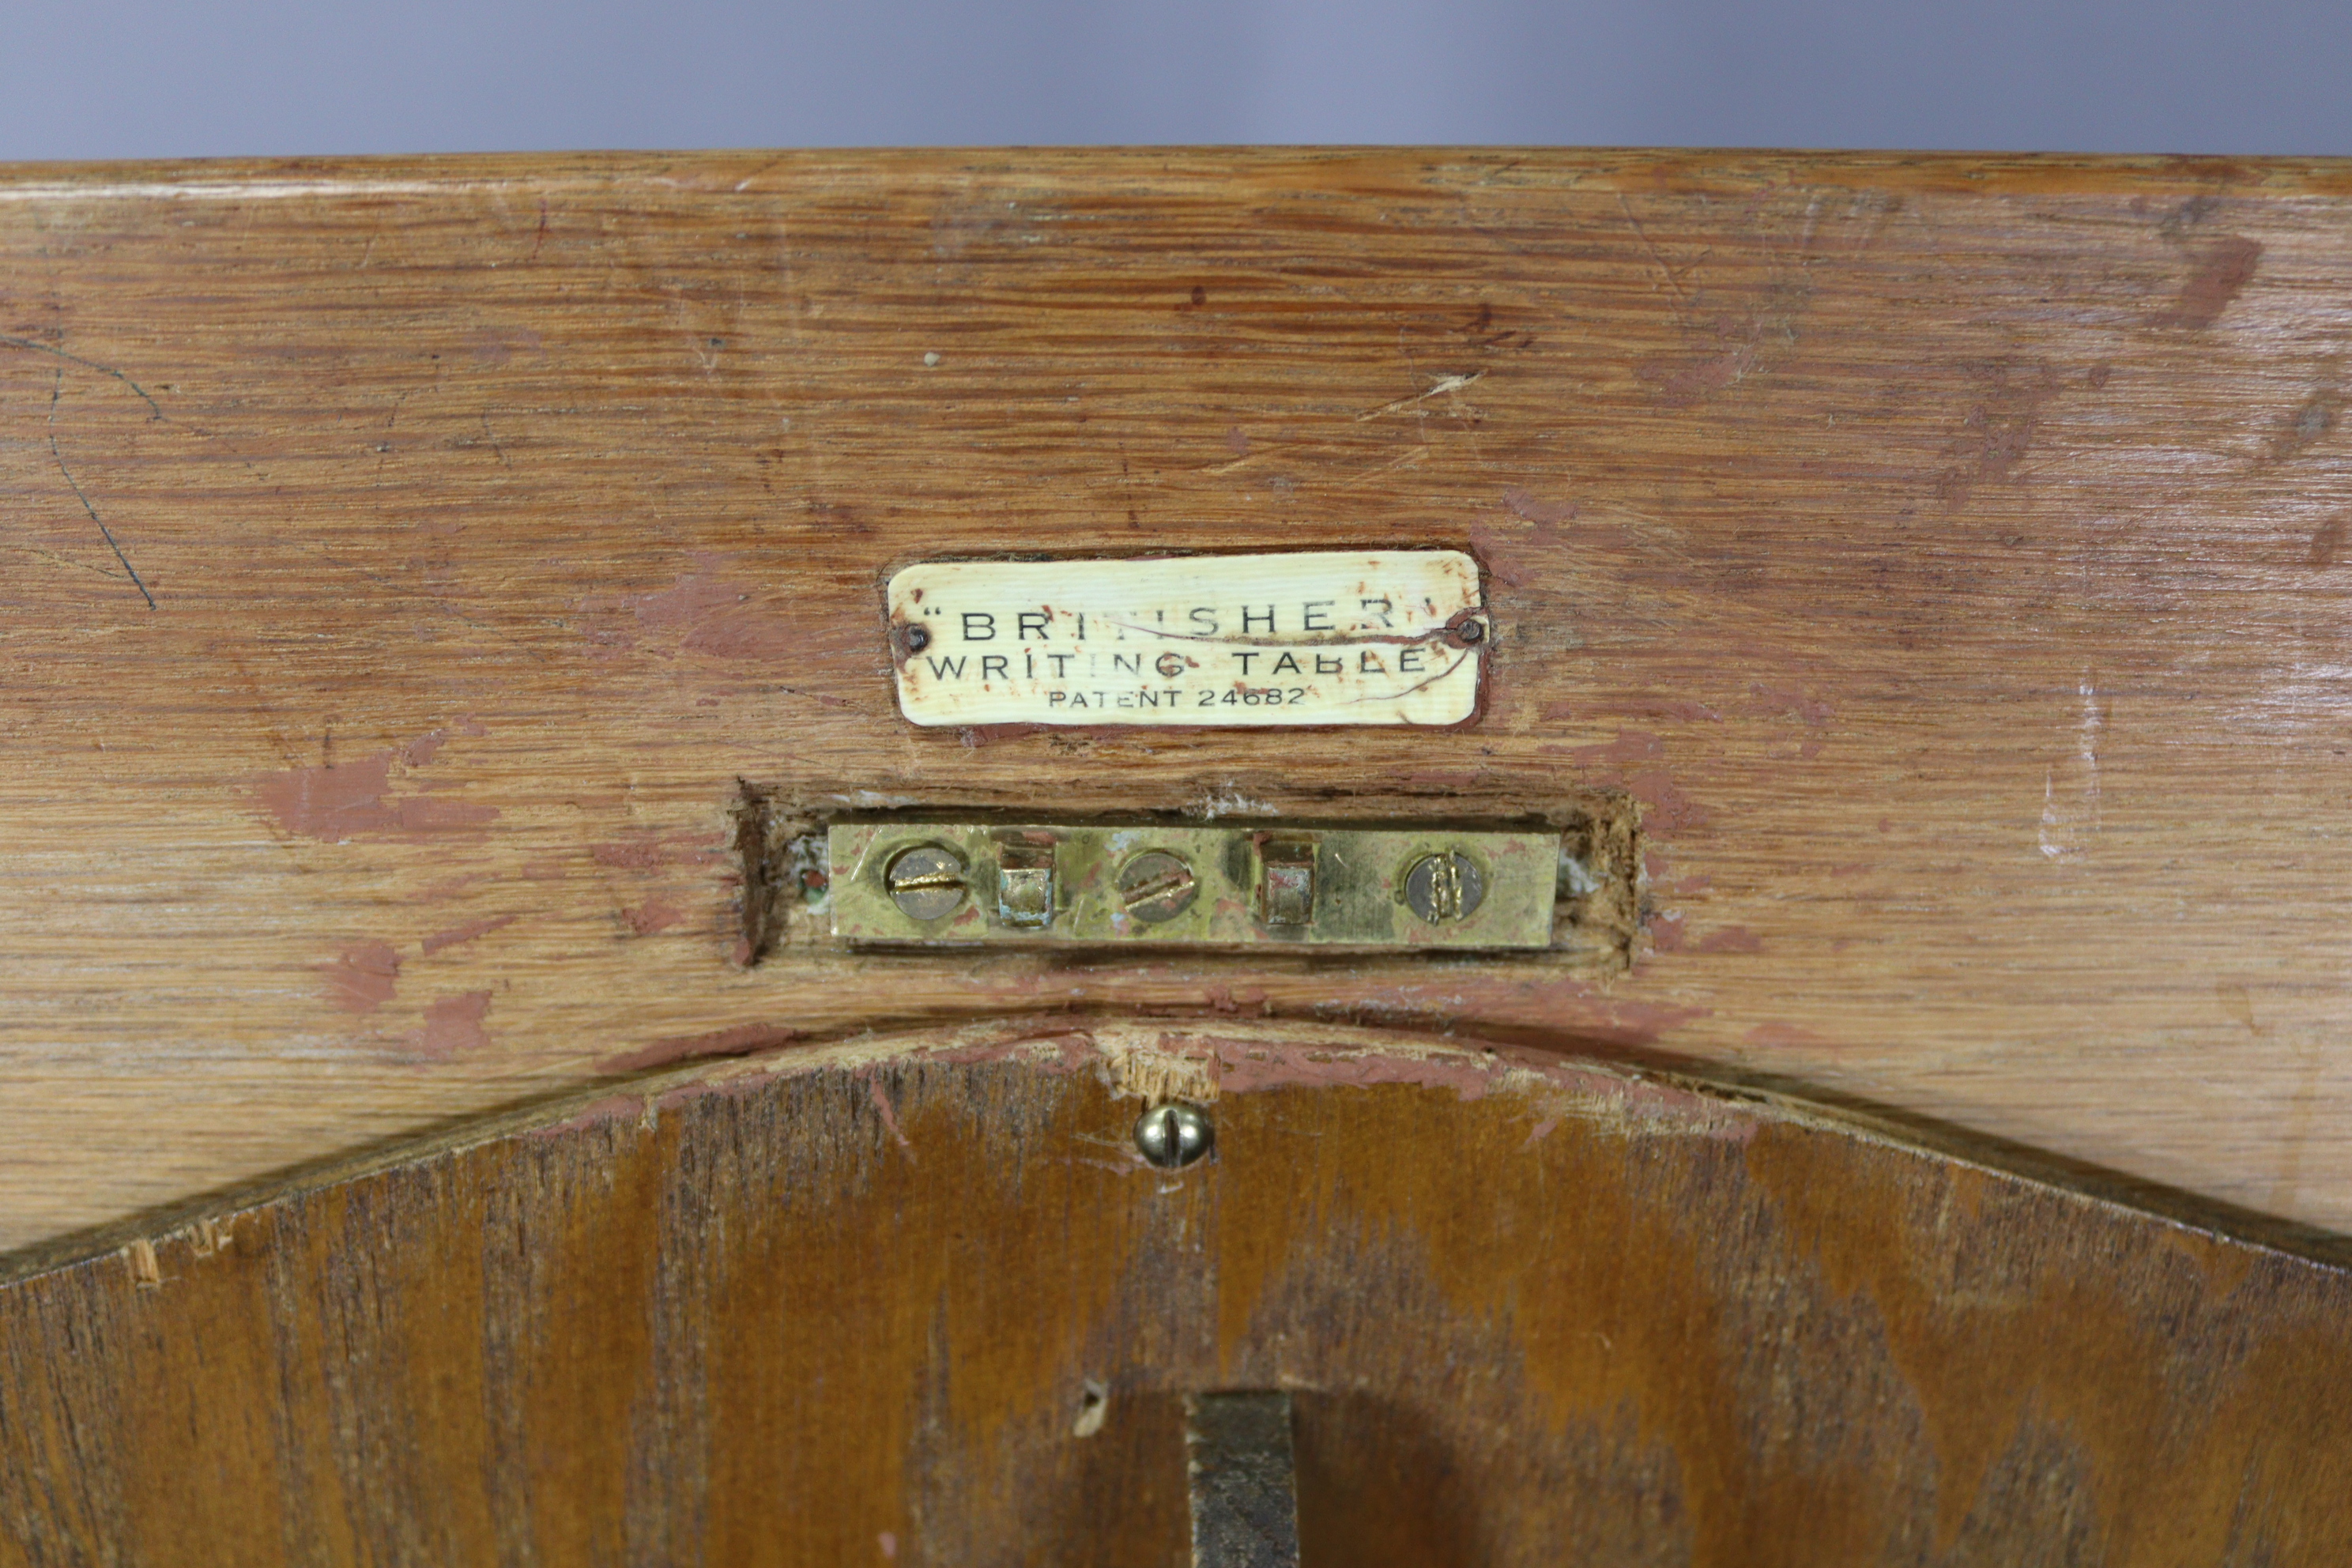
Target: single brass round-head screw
x=1175, y=1135
x=1157, y=885
x=1444, y=887
x=926, y=882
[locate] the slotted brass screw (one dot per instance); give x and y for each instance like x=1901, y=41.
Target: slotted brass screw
x=926, y=882
x=1156, y=886
x=1444, y=888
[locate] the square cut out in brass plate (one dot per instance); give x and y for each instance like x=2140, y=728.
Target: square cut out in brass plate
x=941, y=881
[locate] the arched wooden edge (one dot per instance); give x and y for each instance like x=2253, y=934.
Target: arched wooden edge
x=916, y=1299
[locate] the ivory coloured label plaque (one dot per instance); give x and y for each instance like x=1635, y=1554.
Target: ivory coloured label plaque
x=1335, y=637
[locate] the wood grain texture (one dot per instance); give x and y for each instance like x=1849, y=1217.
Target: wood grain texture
x=1947, y=555
x=850, y=1306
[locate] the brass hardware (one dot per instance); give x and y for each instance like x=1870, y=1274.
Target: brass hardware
x=896, y=880
x=1172, y=1136
x=926, y=882
x=1285, y=882
x=1156, y=886
x=1444, y=887
x=1025, y=884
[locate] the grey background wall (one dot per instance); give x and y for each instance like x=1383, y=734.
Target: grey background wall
x=112, y=78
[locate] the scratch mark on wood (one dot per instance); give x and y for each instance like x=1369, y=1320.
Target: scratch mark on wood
x=1444, y=385
x=56, y=392
x=889, y=1115
x=1642, y=234
x=32, y=345
x=2066, y=831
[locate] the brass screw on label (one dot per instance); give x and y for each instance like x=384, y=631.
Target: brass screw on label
x=1156, y=886
x=926, y=882
x=1172, y=1136
x=1442, y=887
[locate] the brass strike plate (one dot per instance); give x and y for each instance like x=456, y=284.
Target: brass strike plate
x=933, y=882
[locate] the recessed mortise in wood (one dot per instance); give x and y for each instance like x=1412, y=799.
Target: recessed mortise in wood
x=1557, y=884
x=1243, y=1480
x=1157, y=884
x=1306, y=637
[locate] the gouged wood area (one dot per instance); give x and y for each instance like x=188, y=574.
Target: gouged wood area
x=1948, y=555
x=918, y=1301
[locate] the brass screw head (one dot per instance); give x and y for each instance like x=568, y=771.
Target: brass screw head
x=1444, y=887
x=1175, y=1135
x=926, y=882
x=1157, y=885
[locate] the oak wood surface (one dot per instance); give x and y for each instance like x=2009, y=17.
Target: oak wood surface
x=1946, y=555
x=918, y=1301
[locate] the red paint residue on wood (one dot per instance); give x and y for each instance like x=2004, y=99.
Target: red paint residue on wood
x=717, y=617
x=651, y=852
x=1631, y=746
x=1684, y=380
x=975, y=736
x=2324, y=543
x=889, y=1113
x=741, y=1040
x=1668, y=810
x=652, y=916
x=1667, y=932
x=360, y=980
x=1814, y=713
x=2221, y=270
x=1525, y=503
x=1499, y=551
x=1242, y=1067
x=454, y=1024
x=419, y=751
x=1573, y=1010
x=1245, y=1066
x=1730, y=939
x=335, y=803
x=440, y=939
